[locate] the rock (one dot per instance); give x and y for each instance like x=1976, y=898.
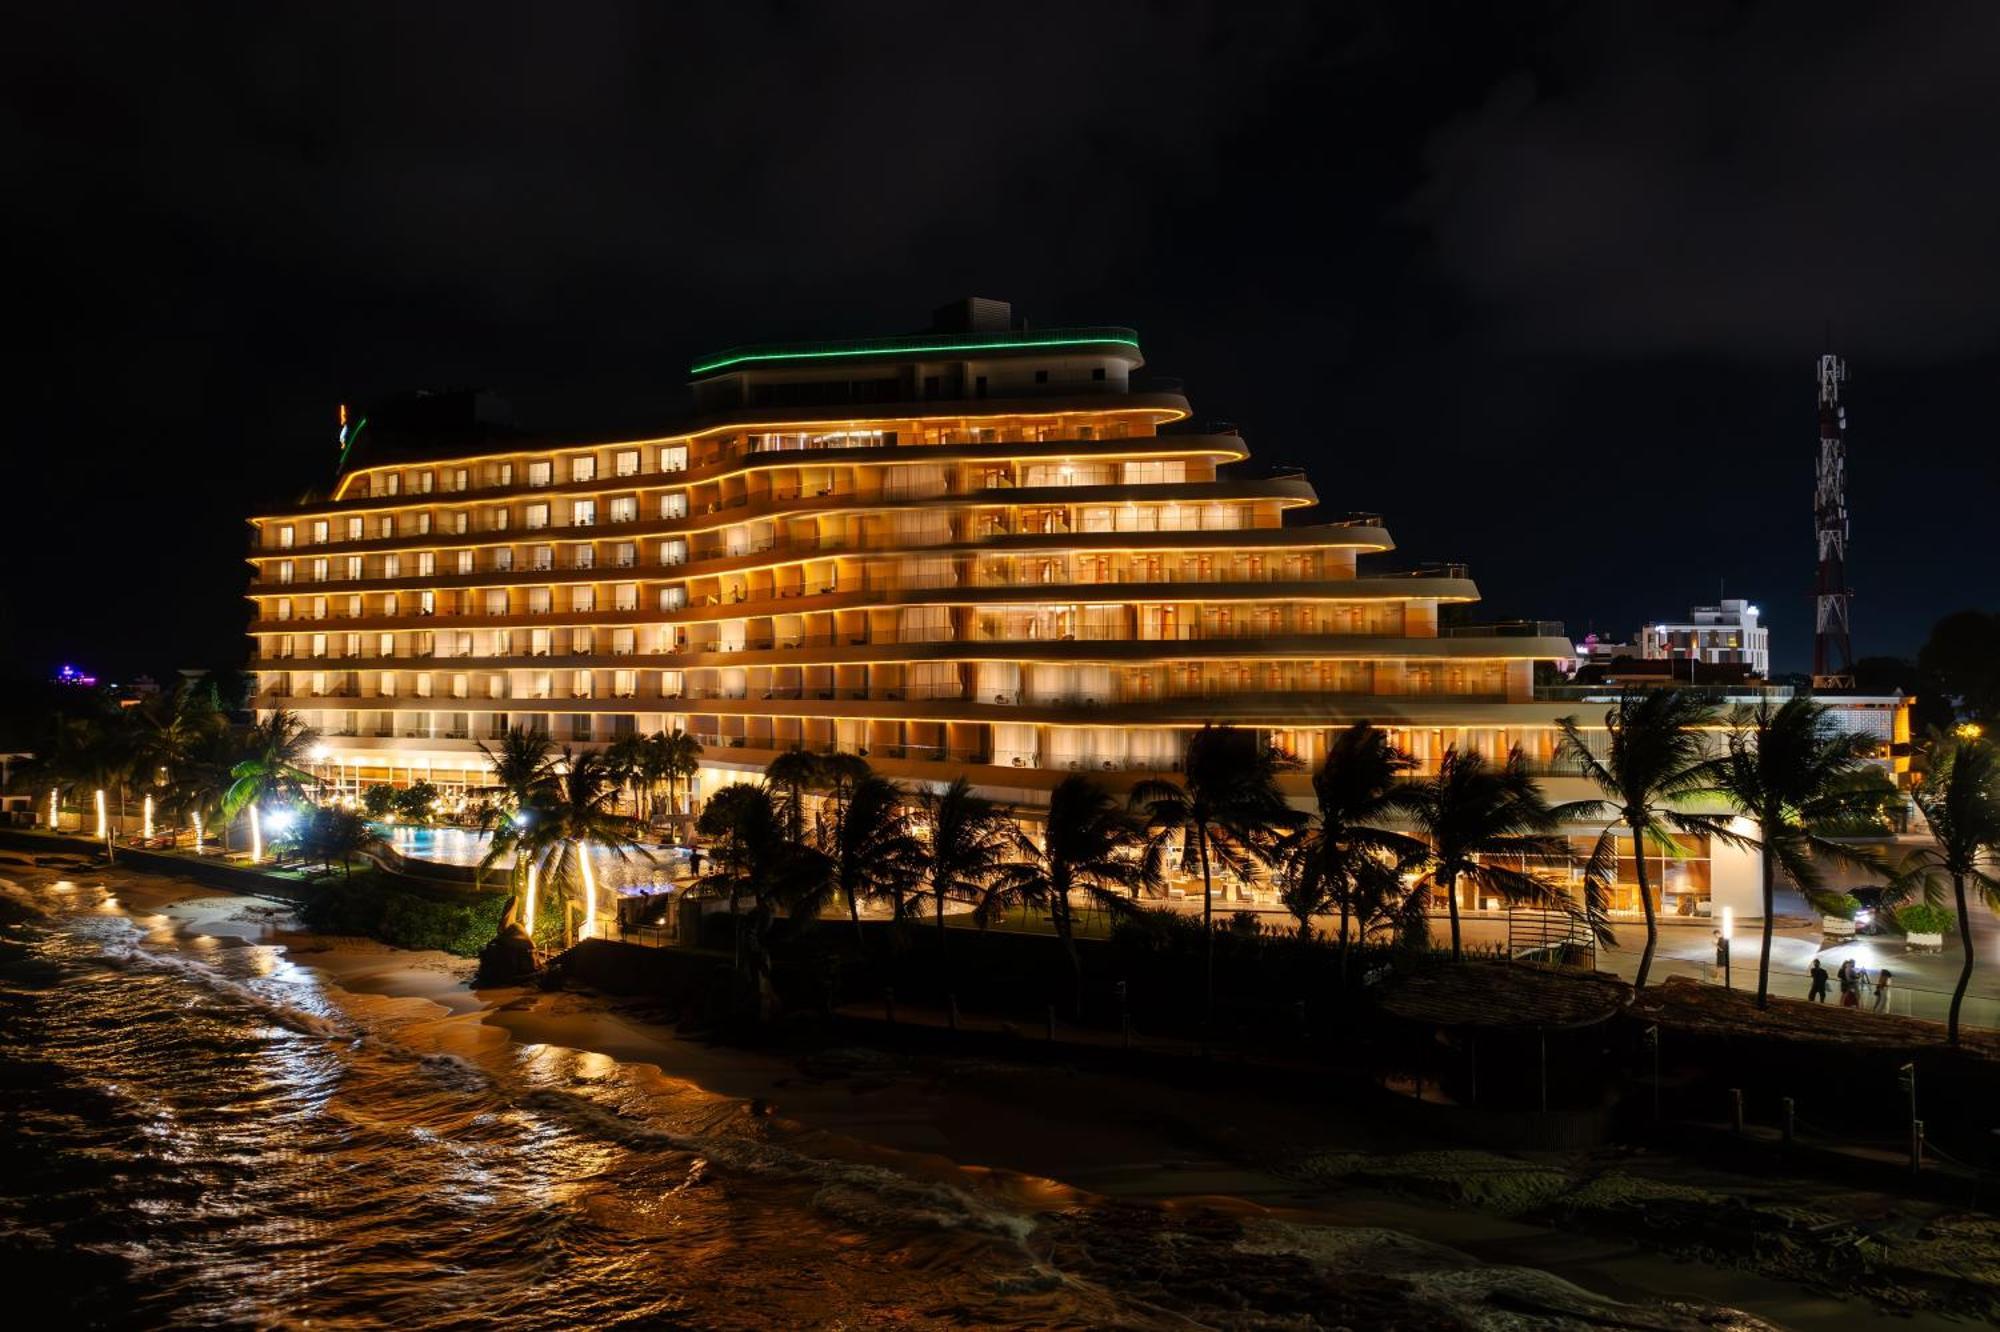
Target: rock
x=508, y=960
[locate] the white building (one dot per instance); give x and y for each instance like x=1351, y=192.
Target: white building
x=1728, y=634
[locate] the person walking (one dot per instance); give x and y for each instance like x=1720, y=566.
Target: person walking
x=1850, y=984
x=1817, y=992
x=1882, y=990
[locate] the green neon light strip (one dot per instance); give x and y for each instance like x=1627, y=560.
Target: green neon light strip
x=1121, y=337
x=348, y=447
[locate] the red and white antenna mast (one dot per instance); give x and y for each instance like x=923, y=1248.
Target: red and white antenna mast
x=1833, y=643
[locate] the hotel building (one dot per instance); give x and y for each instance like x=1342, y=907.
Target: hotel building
x=979, y=550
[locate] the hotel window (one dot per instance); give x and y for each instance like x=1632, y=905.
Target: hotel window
x=503, y=558
x=391, y=604
x=496, y=601
x=503, y=474
x=284, y=608
x=423, y=524
x=388, y=527
x=541, y=473
x=393, y=483
x=625, y=684
x=673, y=552
x=319, y=532
x=624, y=554
x=582, y=557
x=353, y=567
x=319, y=608
x=426, y=563
x=672, y=598
x=460, y=521
x=386, y=686
x=465, y=561
x=674, y=458
x=674, y=506
x=354, y=607
x=319, y=571
x=461, y=479
x=392, y=566
x=625, y=510
x=583, y=513
x=538, y=515
x=623, y=642
x=427, y=603
x=424, y=482
x=582, y=642
x=583, y=598
x=584, y=468
x=625, y=462
x=284, y=571
x=285, y=535
x=385, y=645
x=500, y=520
x=538, y=601
x=625, y=597
x=541, y=557
x=354, y=532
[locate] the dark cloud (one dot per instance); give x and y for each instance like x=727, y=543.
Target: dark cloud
x=1729, y=178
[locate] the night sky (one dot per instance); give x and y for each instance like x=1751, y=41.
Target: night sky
x=1544, y=288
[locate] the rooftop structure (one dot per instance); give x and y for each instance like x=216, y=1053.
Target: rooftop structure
x=1729, y=634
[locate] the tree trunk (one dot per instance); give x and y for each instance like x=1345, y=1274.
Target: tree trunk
x=1965, y=967
x=1451, y=900
x=1207, y=923
x=1646, y=903
x=854, y=914
x=1345, y=898
x=1768, y=874
x=1066, y=931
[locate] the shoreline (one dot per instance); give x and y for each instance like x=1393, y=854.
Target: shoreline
x=1041, y=1133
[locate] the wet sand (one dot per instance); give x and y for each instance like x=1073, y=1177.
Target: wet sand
x=1110, y=1137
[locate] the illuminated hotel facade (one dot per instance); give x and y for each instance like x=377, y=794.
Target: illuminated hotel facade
x=981, y=550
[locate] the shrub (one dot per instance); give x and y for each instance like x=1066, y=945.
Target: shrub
x=1842, y=906
x=413, y=802
x=378, y=800
x=1923, y=918
x=385, y=908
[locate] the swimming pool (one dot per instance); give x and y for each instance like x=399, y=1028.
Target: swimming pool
x=467, y=847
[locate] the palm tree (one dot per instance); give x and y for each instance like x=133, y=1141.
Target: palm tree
x=680, y=759
x=745, y=828
x=867, y=847
x=523, y=770
x=1960, y=799
x=1657, y=758
x=330, y=834
x=1803, y=783
x=626, y=756
x=963, y=839
x=792, y=773
x=1343, y=857
x=1471, y=817
x=175, y=734
x=1226, y=810
x=575, y=810
x=1089, y=845
x=275, y=752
